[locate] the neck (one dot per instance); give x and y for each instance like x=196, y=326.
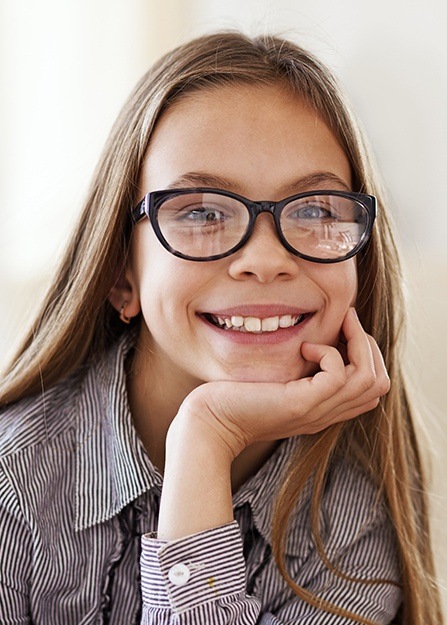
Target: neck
x=155, y=391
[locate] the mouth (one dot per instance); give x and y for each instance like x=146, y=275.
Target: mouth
x=255, y=325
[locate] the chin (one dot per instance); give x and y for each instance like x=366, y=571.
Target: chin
x=270, y=374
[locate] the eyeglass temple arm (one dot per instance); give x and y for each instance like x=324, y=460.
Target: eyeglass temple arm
x=139, y=211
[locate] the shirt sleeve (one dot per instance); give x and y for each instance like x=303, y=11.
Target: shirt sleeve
x=200, y=580
x=195, y=580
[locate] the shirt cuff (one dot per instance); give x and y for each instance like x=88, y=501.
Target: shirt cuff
x=183, y=574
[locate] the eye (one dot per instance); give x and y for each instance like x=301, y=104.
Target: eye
x=312, y=211
x=203, y=215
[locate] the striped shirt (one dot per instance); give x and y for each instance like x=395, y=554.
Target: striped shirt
x=79, y=502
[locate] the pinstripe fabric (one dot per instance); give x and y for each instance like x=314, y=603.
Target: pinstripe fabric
x=78, y=492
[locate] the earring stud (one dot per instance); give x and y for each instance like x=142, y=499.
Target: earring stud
x=123, y=316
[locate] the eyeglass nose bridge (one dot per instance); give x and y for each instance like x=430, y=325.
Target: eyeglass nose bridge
x=263, y=207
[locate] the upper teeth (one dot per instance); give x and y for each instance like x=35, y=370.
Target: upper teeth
x=255, y=324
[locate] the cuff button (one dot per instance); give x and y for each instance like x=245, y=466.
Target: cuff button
x=179, y=574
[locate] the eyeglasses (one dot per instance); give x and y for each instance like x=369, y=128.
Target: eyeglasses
x=201, y=224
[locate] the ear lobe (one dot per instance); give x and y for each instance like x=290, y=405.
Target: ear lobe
x=125, y=293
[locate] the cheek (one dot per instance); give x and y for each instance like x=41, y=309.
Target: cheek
x=352, y=285
x=165, y=284
x=138, y=257
x=339, y=285
x=150, y=263
x=346, y=281
x=338, y=282
x=354, y=282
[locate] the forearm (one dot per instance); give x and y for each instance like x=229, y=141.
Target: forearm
x=197, y=486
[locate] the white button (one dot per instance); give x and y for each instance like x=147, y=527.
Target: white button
x=179, y=574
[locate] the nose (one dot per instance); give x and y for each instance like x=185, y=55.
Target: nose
x=263, y=257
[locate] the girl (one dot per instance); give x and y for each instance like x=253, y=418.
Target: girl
x=206, y=384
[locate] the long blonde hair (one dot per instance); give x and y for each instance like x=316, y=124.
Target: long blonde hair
x=77, y=322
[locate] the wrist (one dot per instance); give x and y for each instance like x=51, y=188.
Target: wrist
x=197, y=423
x=191, y=441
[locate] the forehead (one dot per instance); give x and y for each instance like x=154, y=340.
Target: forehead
x=248, y=134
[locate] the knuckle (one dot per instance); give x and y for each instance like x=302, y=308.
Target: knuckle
x=372, y=404
x=367, y=381
x=340, y=379
x=337, y=377
x=384, y=386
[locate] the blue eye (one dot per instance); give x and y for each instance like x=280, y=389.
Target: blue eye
x=313, y=211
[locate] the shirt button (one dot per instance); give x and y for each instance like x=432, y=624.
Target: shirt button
x=179, y=574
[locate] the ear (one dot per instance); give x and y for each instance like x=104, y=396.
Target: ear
x=125, y=293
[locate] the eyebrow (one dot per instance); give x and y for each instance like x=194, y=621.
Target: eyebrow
x=202, y=179
x=317, y=181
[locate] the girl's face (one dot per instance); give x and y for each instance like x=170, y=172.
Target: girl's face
x=264, y=144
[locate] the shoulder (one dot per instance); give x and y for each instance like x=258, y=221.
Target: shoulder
x=349, y=487
x=45, y=417
x=350, y=532
x=38, y=419
x=353, y=506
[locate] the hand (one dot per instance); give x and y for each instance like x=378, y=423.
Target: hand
x=235, y=414
x=218, y=420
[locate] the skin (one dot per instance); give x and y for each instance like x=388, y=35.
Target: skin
x=202, y=399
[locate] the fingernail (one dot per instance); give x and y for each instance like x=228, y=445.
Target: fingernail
x=354, y=312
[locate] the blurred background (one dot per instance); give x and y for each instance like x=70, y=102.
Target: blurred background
x=67, y=67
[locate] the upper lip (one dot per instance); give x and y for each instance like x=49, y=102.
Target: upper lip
x=262, y=311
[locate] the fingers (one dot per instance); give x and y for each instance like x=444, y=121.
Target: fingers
x=345, y=387
x=366, y=367
x=340, y=390
x=328, y=358
x=358, y=347
x=382, y=378
x=364, y=373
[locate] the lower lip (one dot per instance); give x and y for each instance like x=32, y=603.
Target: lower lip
x=262, y=338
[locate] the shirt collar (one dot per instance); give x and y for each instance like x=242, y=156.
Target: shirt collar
x=112, y=466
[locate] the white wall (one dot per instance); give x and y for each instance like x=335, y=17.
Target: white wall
x=66, y=68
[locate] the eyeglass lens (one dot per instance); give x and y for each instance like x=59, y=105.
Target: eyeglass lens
x=208, y=224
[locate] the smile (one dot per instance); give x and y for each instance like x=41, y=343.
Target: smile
x=255, y=325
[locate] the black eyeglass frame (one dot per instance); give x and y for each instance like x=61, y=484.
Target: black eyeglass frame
x=151, y=203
